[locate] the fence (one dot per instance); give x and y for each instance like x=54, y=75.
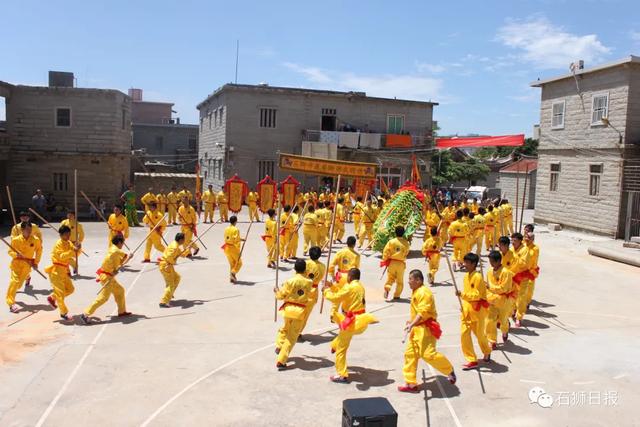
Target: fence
x=632, y=215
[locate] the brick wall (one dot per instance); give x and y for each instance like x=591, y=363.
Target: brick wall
x=508, y=182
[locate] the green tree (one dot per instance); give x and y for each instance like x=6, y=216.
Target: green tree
x=447, y=170
x=529, y=148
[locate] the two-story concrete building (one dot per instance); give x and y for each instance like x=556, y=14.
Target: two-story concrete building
x=243, y=127
x=52, y=130
x=589, y=153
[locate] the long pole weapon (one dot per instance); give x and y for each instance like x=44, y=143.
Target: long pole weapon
x=333, y=223
x=52, y=227
x=99, y=214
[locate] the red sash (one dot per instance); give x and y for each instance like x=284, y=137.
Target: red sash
x=454, y=238
x=523, y=275
x=477, y=305
x=431, y=253
x=339, y=274
x=350, y=317
x=434, y=327
x=101, y=271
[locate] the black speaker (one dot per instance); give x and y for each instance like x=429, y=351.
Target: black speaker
x=368, y=412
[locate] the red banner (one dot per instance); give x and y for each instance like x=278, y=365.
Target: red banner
x=267, y=193
x=236, y=190
x=481, y=141
x=289, y=189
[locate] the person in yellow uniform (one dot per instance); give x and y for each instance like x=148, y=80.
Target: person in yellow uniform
x=458, y=232
x=479, y=225
x=499, y=286
x=309, y=229
x=431, y=218
x=357, y=214
x=35, y=231
x=508, y=217
x=315, y=272
x=107, y=272
x=343, y=261
x=172, y=205
x=71, y=222
x=448, y=216
x=475, y=207
x=353, y=320
x=185, y=193
x=231, y=247
x=524, y=277
x=286, y=228
x=341, y=217
x=474, y=313
x=368, y=217
x=209, y=200
x=147, y=198
x=490, y=224
x=295, y=293
x=270, y=236
x=223, y=205
x=423, y=331
x=252, y=202
x=188, y=220
x=118, y=225
x=394, y=257
x=321, y=213
x=152, y=218
x=292, y=244
x=161, y=198
x=62, y=255
x=26, y=254
x=167, y=264
x=431, y=250
x=534, y=250
x=514, y=264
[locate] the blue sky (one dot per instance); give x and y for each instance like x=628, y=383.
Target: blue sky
x=475, y=58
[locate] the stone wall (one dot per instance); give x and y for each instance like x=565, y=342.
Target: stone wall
x=508, y=183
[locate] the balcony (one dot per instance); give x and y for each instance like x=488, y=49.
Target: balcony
x=368, y=141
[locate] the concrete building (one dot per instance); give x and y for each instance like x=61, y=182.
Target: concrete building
x=160, y=142
x=242, y=127
x=513, y=179
x=588, y=170
x=52, y=130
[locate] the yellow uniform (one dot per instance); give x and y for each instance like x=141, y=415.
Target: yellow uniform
x=292, y=244
x=353, y=320
x=252, y=202
x=499, y=288
x=231, y=248
x=534, y=270
x=31, y=249
x=344, y=260
x=162, y=202
x=185, y=193
x=172, y=206
x=167, y=268
x=338, y=227
x=394, y=256
x=366, y=225
x=295, y=293
x=72, y=225
x=309, y=231
x=458, y=232
x=62, y=255
x=110, y=286
x=432, y=220
x=508, y=219
x=357, y=215
x=524, y=278
x=474, y=207
x=448, y=216
x=490, y=229
x=118, y=226
x=314, y=272
x=286, y=228
x=323, y=225
x=270, y=237
x=152, y=218
x=431, y=250
x=223, y=205
x=16, y=231
x=422, y=338
x=478, y=233
x=188, y=220
x=209, y=200
x=474, y=314
x=147, y=199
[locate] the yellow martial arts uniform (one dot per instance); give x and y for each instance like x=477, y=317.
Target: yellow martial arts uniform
x=295, y=293
x=323, y=225
x=172, y=206
x=474, y=207
x=431, y=250
x=152, y=218
x=534, y=270
x=394, y=255
x=118, y=225
x=357, y=216
x=62, y=255
x=366, y=225
x=422, y=342
x=478, y=233
x=31, y=249
x=353, y=320
x=508, y=219
x=309, y=231
x=162, y=202
x=432, y=220
x=524, y=278
x=188, y=220
x=223, y=205
x=338, y=227
x=232, y=248
x=209, y=200
x=270, y=237
x=286, y=228
x=344, y=260
x=110, y=286
x=499, y=287
x=474, y=314
x=448, y=215
x=72, y=225
x=16, y=231
x=292, y=244
x=314, y=272
x=167, y=268
x=458, y=232
x=490, y=232
x=252, y=202
x=185, y=193
x=147, y=199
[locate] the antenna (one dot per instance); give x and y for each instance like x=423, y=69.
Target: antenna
x=237, y=55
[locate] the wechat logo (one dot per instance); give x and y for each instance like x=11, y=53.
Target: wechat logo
x=539, y=396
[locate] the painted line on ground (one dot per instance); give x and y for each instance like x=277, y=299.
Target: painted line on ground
x=456, y=420
x=617, y=377
x=532, y=382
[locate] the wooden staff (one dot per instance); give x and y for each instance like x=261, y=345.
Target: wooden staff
x=161, y=236
x=243, y=243
x=275, y=307
x=333, y=223
x=524, y=195
x=453, y=277
x=54, y=228
x=195, y=232
x=517, y=193
x=203, y=233
x=16, y=251
x=13, y=212
x=300, y=219
x=75, y=210
x=99, y=214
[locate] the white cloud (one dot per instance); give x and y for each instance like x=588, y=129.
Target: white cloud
x=431, y=68
x=313, y=74
x=548, y=46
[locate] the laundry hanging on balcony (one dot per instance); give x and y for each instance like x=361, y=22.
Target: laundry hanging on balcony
x=349, y=139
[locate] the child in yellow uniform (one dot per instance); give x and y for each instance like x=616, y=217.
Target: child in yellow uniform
x=286, y=228
x=107, y=272
x=499, y=284
x=188, y=220
x=508, y=217
x=72, y=224
x=344, y=260
x=534, y=250
x=295, y=293
x=338, y=228
x=270, y=237
x=315, y=272
x=185, y=193
x=490, y=228
x=478, y=237
x=431, y=250
x=252, y=202
x=366, y=223
x=16, y=231
x=394, y=257
x=162, y=201
x=148, y=198
x=172, y=205
x=223, y=205
x=167, y=268
x=27, y=254
x=209, y=200
x=62, y=255
x=474, y=313
x=524, y=277
x=423, y=330
x=458, y=232
x=231, y=247
x=152, y=218
x=292, y=245
x=322, y=222
x=309, y=229
x=118, y=225
x=357, y=214
x=353, y=320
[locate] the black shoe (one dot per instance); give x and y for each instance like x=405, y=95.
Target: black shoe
x=452, y=377
x=85, y=319
x=281, y=366
x=338, y=379
x=300, y=339
x=163, y=305
x=65, y=317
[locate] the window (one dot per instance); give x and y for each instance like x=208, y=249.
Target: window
x=63, y=117
x=124, y=119
x=60, y=182
x=209, y=120
x=557, y=119
x=265, y=167
x=395, y=124
x=268, y=117
x=159, y=143
x=595, y=175
x=599, y=108
x=555, y=174
x=193, y=143
x=215, y=118
x=222, y=112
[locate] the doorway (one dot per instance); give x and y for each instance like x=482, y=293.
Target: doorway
x=329, y=121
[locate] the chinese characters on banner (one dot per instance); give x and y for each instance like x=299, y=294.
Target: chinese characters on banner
x=236, y=190
x=325, y=167
x=289, y=189
x=266, y=193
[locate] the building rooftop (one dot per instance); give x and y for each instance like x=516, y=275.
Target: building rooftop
x=303, y=91
x=166, y=175
x=521, y=166
x=627, y=60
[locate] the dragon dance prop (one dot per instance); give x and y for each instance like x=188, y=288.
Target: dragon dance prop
x=404, y=208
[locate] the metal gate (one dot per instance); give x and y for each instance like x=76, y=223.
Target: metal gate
x=632, y=215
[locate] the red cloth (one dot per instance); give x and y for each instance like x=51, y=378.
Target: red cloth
x=223, y=247
x=265, y=237
x=477, y=305
x=434, y=327
x=483, y=141
x=431, y=253
x=385, y=263
x=101, y=271
x=350, y=317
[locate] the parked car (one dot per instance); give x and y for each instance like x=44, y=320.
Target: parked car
x=476, y=192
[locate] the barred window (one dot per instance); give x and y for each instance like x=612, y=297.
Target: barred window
x=268, y=117
x=595, y=176
x=60, y=182
x=265, y=167
x=555, y=175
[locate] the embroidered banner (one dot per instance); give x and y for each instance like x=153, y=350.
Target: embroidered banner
x=236, y=190
x=267, y=193
x=325, y=167
x=289, y=189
